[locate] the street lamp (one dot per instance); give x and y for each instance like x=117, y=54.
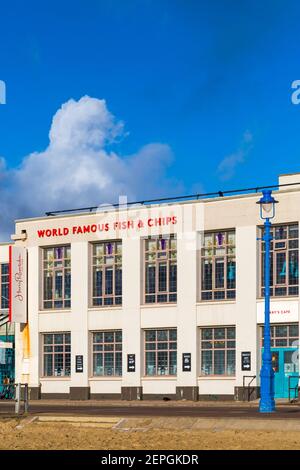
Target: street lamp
x=267, y=402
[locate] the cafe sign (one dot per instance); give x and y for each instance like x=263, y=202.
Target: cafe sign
x=280, y=312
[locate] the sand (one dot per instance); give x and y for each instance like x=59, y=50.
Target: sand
x=50, y=436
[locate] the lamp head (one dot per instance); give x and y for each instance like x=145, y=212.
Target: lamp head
x=267, y=205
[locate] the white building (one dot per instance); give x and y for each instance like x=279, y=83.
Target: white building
x=158, y=301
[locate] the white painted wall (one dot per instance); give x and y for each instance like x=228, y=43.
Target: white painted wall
x=188, y=315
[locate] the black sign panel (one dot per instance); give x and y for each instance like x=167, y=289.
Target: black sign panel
x=186, y=362
x=246, y=360
x=130, y=362
x=79, y=363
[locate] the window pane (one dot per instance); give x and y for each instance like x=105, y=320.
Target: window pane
x=206, y=363
x=230, y=363
x=219, y=362
x=281, y=331
x=294, y=330
x=48, y=365
x=150, y=363
x=162, y=277
x=150, y=335
x=162, y=335
x=108, y=281
x=219, y=333
x=207, y=333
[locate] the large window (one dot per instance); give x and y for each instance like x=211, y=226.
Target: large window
x=218, y=273
x=161, y=352
x=218, y=351
x=283, y=336
x=57, y=277
x=107, y=353
x=107, y=273
x=160, y=269
x=284, y=272
x=4, y=273
x=57, y=354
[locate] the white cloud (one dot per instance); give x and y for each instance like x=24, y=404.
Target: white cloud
x=226, y=168
x=77, y=169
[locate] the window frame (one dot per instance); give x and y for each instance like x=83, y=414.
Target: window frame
x=213, y=349
x=156, y=350
x=93, y=265
x=64, y=353
x=115, y=351
x=214, y=257
x=289, y=338
x=158, y=261
x=274, y=253
x=63, y=299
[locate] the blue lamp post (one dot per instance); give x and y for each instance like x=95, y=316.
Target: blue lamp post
x=267, y=402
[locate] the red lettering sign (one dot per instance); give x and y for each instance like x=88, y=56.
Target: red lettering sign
x=105, y=227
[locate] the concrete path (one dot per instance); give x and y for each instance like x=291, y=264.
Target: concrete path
x=211, y=410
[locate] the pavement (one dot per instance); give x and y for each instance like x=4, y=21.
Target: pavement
x=155, y=409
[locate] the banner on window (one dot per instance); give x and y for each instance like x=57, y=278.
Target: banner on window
x=17, y=284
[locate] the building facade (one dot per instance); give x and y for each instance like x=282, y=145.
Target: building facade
x=7, y=338
x=159, y=301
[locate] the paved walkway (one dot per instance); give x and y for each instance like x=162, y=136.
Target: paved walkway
x=159, y=409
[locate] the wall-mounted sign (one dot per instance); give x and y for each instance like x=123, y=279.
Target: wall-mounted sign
x=116, y=225
x=17, y=284
x=285, y=311
x=246, y=360
x=79, y=363
x=186, y=362
x=130, y=362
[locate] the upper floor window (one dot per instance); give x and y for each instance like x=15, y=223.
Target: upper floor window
x=284, y=273
x=107, y=273
x=160, y=269
x=4, y=273
x=218, y=269
x=57, y=277
x=56, y=354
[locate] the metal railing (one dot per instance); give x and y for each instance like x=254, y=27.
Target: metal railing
x=247, y=388
x=295, y=387
x=172, y=199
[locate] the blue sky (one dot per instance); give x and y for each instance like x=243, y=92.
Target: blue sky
x=209, y=79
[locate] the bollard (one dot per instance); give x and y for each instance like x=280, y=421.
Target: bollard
x=26, y=401
x=18, y=398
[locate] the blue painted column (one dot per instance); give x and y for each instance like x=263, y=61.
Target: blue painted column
x=267, y=402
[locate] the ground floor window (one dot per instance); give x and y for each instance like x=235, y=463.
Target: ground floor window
x=282, y=336
x=107, y=353
x=218, y=351
x=161, y=352
x=57, y=354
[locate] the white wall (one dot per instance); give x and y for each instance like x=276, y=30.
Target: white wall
x=188, y=315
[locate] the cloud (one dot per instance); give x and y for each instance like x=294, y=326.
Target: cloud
x=226, y=168
x=77, y=168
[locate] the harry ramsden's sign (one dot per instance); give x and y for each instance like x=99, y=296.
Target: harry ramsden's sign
x=17, y=284
x=129, y=224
